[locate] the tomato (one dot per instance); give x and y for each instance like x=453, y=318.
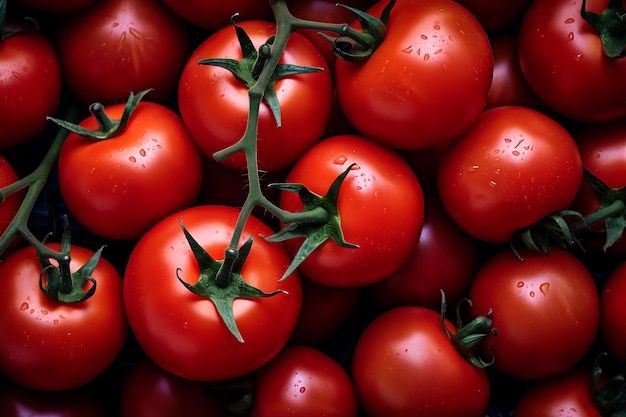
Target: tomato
x=305, y=100
x=613, y=313
x=120, y=187
x=510, y=169
x=302, y=381
x=149, y=390
x=381, y=208
x=496, y=15
x=445, y=258
x=30, y=86
x=565, y=395
x=426, y=83
x=545, y=309
x=603, y=151
x=181, y=331
x=112, y=47
x=49, y=345
x=217, y=15
x=10, y=206
x=405, y=364
x=558, y=50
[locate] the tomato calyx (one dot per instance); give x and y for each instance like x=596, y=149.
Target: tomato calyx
x=318, y=229
x=355, y=45
x=609, y=396
x=469, y=337
x=221, y=281
x=248, y=70
x=611, y=26
x=107, y=127
x=15, y=27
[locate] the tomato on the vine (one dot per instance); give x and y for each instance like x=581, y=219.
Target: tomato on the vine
x=428, y=80
x=121, y=186
x=510, y=169
x=545, y=309
x=52, y=345
x=183, y=332
x=381, y=209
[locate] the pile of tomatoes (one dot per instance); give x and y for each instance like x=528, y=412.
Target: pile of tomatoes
x=472, y=124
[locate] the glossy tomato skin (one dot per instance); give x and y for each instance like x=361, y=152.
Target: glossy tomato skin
x=54, y=346
x=217, y=15
x=112, y=47
x=303, y=381
x=305, y=100
x=545, y=309
x=613, y=313
x=495, y=15
x=181, y=331
x=426, y=83
x=11, y=204
x=405, y=364
x=510, y=169
x=565, y=395
x=30, y=86
x=381, y=207
x=558, y=50
x=603, y=151
x=120, y=187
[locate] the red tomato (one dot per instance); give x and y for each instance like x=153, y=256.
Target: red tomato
x=613, y=313
x=181, y=331
x=30, y=86
x=445, y=258
x=603, y=152
x=545, y=309
x=48, y=345
x=149, y=390
x=510, y=169
x=428, y=80
x=302, y=381
x=217, y=15
x=380, y=204
x=305, y=100
x=405, y=364
x=495, y=14
x=120, y=187
x=565, y=395
x=112, y=47
x=558, y=50
x=10, y=206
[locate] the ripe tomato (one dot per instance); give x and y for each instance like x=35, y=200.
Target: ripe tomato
x=48, y=345
x=445, y=258
x=603, y=151
x=302, y=381
x=558, y=50
x=305, y=99
x=545, y=309
x=405, y=364
x=510, y=169
x=494, y=15
x=181, y=331
x=380, y=203
x=565, y=395
x=30, y=86
x=428, y=80
x=613, y=313
x=112, y=47
x=120, y=187
x=217, y=15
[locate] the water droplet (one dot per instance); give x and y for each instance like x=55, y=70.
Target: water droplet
x=492, y=183
x=423, y=36
x=44, y=312
x=508, y=140
x=515, y=153
x=142, y=152
x=55, y=321
x=569, y=20
x=578, y=57
x=437, y=27
x=132, y=159
x=340, y=160
x=532, y=293
x=570, y=36
x=520, y=284
x=544, y=288
x=302, y=389
x=24, y=306
x=473, y=168
x=426, y=57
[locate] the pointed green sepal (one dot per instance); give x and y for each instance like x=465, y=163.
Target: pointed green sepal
x=611, y=26
x=612, y=209
x=222, y=296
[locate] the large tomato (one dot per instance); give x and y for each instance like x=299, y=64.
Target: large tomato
x=613, y=313
x=181, y=331
x=510, y=169
x=381, y=209
x=428, y=80
x=559, y=50
x=120, y=187
x=30, y=86
x=215, y=105
x=302, y=381
x=50, y=345
x=112, y=47
x=405, y=364
x=545, y=309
